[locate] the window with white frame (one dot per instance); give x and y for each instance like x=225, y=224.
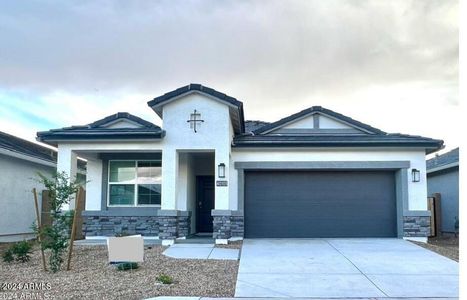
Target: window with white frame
x=135, y=183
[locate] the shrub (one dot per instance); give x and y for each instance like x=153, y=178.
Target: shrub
x=55, y=237
x=165, y=279
x=7, y=256
x=127, y=266
x=22, y=251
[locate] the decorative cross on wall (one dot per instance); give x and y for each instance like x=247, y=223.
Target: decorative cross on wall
x=194, y=119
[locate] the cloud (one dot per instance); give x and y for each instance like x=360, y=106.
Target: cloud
x=89, y=58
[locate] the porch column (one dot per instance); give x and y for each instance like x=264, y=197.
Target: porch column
x=94, y=200
x=182, y=182
x=169, y=179
x=67, y=162
x=221, y=192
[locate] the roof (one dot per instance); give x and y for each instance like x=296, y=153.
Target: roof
x=157, y=103
x=369, y=136
x=387, y=140
x=19, y=146
x=251, y=125
x=98, y=130
x=316, y=109
x=444, y=161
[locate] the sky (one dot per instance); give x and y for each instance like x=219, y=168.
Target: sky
x=391, y=64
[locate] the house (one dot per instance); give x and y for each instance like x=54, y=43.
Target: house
x=316, y=173
x=443, y=178
x=20, y=161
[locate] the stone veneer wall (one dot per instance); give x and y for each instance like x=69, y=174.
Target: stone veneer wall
x=225, y=227
x=417, y=226
x=112, y=225
x=166, y=227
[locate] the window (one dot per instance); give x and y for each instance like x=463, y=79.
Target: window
x=134, y=183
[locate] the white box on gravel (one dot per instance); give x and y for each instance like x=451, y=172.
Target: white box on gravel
x=126, y=249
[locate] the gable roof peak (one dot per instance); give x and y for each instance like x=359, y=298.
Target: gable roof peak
x=121, y=115
x=340, y=117
x=235, y=106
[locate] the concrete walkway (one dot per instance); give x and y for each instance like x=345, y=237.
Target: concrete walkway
x=209, y=298
x=343, y=268
x=201, y=251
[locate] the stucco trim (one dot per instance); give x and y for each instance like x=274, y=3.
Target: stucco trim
x=226, y=212
x=105, y=183
x=121, y=212
x=328, y=165
x=173, y=213
x=316, y=121
x=402, y=199
x=135, y=212
x=417, y=213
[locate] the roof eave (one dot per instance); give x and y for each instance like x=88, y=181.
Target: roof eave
x=53, y=138
x=30, y=158
x=430, y=147
x=443, y=167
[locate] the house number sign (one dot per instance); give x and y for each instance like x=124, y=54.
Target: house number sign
x=221, y=183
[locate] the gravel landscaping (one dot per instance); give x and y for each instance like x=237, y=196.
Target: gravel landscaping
x=445, y=245
x=232, y=245
x=92, y=277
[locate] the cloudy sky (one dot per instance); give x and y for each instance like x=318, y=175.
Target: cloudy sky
x=392, y=64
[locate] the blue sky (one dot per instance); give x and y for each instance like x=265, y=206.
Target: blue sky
x=392, y=64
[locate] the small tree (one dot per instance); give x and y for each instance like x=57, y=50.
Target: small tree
x=55, y=237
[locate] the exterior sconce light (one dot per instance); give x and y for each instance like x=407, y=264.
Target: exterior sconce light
x=415, y=175
x=221, y=170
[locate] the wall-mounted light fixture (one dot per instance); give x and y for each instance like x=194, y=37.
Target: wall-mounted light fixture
x=415, y=175
x=221, y=170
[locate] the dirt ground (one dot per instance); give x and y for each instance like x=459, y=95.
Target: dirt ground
x=445, y=245
x=92, y=277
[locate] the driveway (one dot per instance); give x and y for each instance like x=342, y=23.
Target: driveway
x=343, y=268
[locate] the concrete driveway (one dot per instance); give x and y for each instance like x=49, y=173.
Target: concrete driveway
x=343, y=268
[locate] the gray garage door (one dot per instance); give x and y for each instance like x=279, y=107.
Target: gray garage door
x=281, y=204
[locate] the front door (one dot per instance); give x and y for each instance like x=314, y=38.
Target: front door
x=205, y=203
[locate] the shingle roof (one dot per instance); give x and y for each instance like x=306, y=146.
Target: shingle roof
x=251, y=125
x=97, y=130
x=443, y=160
x=122, y=115
x=194, y=87
x=315, y=109
x=20, y=146
x=388, y=140
x=157, y=102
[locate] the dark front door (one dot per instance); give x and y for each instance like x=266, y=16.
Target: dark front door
x=313, y=204
x=205, y=203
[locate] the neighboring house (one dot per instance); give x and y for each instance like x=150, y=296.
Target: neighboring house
x=20, y=161
x=316, y=173
x=443, y=178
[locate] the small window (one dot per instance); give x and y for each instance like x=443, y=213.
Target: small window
x=135, y=183
x=149, y=194
x=122, y=194
x=121, y=171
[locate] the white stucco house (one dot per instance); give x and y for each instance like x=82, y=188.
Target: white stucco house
x=316, y=173
x=20, y=161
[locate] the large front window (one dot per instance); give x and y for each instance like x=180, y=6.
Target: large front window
x=135, y=183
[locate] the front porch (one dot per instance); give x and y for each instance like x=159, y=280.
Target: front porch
x=135, y=192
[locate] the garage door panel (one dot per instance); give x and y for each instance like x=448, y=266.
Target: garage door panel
x=319, y=204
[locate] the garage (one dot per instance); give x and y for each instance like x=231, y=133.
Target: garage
x=313, y=204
